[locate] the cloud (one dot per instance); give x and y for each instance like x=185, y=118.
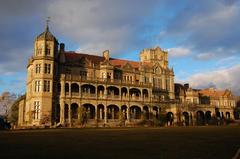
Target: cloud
x=179, y=52
x=99, y=25
x=226, y=78
x=206, y=27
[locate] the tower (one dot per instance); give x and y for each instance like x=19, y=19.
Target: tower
x=163, y=76
x=40, y=78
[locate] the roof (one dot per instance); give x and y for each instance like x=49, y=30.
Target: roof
x=73, y=57
x=46, y=35
x=213, y=92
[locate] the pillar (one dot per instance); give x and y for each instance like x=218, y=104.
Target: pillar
x=105, y=93
x=105, y=114
x=80, y=90
x=128, y=114
x=62, y=88
x=101, y=114
x=62, y=117
x=69, y=115
x=70, y=90
x=96, y=113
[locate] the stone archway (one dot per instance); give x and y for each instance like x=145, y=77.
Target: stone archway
x=74, y=110
x=186, y=118
x=208, y=117
x=90, y=110
x=146, y=114
x=74, y=89
x=112, y=112
x=170, y=118
x=200, y=118
x=135, y=112
x=100, y=91
x=155, y=112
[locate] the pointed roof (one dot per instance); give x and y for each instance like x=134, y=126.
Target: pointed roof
x=46, y=35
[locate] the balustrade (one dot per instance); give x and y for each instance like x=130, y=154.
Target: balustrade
x=109, y=81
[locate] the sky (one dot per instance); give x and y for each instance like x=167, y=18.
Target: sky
x=202, y=37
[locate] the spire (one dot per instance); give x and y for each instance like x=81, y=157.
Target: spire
x=46, y=35
x=47, y=23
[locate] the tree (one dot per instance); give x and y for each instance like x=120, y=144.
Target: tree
x=6, y=101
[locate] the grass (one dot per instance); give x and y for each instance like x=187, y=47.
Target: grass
x=113, y=143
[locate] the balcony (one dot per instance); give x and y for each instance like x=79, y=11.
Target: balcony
x=106, y=81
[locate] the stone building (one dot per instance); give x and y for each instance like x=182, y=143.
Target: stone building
x=65, y=87
x=202, y=106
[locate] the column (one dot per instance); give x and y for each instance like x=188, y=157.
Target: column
x=100, y=114
x=70, y=91
x=105, y=114
x=105, y=93
x=80, y=90
x=120, y=93
x=128, y=114
x=62, y=88
x=69, y=115
x=62, y=117
x=96, y=113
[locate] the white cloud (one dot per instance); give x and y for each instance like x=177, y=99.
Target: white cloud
x=99, y=25
x=227, y=78
x=205, y=56
x=206, y=26
x=179, y=52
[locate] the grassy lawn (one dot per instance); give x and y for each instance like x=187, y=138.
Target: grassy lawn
x=134, y=143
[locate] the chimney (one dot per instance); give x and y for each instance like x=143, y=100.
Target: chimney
x=62, y=47
x=186, y=85
x=106, y=54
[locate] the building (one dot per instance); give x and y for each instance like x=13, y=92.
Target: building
x=204, y=106
x=69, y=88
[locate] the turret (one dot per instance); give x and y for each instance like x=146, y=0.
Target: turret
x=39, y=97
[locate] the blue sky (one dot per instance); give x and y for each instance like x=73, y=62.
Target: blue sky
x=203, y=37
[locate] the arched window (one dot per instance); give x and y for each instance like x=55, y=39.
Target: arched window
x=48, y=50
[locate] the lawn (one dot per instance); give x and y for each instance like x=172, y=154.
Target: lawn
x=113, y=143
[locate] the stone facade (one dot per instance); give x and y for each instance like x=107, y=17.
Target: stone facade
x=68, y=88
x=202, y=106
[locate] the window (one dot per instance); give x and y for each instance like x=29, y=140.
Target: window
x=83, y=74
x=38, y=68
x=37, y=86
x=39, y=51
x=36, y=114
x=48, y=50
x=47, y=68
x=46, y=86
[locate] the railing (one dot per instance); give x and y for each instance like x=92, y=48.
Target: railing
x=119, y=97
x=106, y=81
